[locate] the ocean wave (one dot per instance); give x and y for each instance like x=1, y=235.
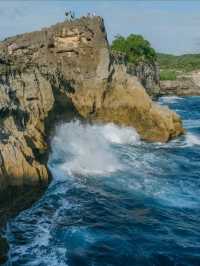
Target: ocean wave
x=113, y=194
x=192, y=139
x=170, y=99
x=191, y=123
x=119, y=135
x=85, y=149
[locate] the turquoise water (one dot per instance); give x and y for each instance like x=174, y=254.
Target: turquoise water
x=116, y=200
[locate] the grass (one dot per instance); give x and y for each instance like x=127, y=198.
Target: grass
x=171, y=65
x=168, y=75
x=184, y=63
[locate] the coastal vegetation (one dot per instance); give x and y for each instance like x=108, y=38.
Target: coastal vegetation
x=166, y=74
x=138, y=49
x=172, y=65
x=185, y=63
x=135, y=47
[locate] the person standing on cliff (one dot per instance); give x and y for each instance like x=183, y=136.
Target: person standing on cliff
x=67, y=14
x=72, y=15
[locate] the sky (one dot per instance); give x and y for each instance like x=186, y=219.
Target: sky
x=171, y=26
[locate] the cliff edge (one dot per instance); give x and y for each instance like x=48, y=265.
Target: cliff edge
x=66, y=69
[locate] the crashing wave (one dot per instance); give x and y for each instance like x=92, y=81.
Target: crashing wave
x=85, y=149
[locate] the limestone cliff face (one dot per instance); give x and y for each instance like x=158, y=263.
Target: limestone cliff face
x=126, y=103
x=66, y=68
x=185, y=85
x=148, y=73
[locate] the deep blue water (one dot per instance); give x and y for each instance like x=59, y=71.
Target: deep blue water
x=116, y=200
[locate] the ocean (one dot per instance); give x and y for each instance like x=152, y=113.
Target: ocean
x=115, y=200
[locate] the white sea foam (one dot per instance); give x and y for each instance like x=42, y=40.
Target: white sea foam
x=192, y=139
x=191, y=123
x=170, y=99
x=86, y=149
x=119, y=135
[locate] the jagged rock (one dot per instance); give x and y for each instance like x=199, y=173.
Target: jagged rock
x=127, y=103
x=26, y=100
x=66, y=68
x=147, y=72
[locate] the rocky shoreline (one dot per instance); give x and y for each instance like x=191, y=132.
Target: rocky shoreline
x=61, y=72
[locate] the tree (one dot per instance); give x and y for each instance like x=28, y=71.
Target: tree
x=135, y=47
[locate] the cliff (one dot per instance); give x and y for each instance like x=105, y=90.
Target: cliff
x=65, y=71
x=185, y=85
x=148, y=73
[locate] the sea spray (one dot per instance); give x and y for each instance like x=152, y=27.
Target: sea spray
x=85, y=149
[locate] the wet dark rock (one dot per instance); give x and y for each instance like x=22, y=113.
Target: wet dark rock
x=3, y=250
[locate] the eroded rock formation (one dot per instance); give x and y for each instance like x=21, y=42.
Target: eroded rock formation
x=66, y=68
x=147, y=72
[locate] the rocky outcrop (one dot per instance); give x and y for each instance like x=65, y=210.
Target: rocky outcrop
x=66, y=69
x=126, y=103
x=185, y=85
x=147, y=72
x=26, y=99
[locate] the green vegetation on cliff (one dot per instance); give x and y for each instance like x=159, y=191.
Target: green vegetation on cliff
x=135, y=47
x=183, y=63
x=168, y=74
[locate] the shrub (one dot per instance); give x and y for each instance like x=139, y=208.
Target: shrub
x=135, y=47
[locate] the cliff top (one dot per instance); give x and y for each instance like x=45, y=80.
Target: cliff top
x=37, y=36
x=75, y=46
x=64, y=36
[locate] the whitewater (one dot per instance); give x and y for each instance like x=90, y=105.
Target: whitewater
x=114, y=199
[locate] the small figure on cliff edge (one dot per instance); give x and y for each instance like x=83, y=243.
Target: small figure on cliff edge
x=90, y=15
x=72, y=15
x=69, y=15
